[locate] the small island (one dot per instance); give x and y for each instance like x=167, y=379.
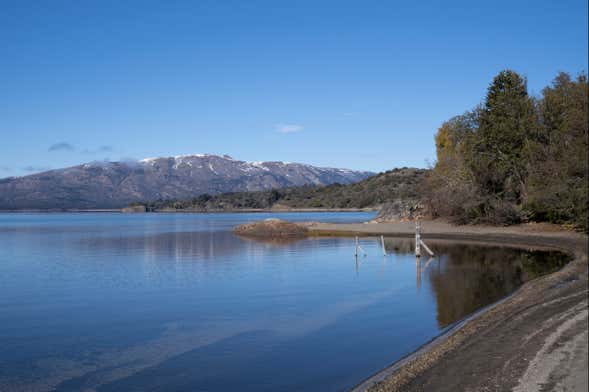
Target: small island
x=271, y=228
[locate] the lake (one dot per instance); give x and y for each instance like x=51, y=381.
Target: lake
x=176, y=302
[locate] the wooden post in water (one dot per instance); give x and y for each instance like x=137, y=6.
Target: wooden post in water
x=428, y=250
x=419, y=242
x=384, y=251
x=417, y=239
x=358, y=248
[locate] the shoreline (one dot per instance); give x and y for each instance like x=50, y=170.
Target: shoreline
x=546, y=313
x=187, y=211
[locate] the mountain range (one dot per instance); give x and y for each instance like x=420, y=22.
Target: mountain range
x=116, y=184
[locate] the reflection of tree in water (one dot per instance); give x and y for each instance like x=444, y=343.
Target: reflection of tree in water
x=463, y=277
x=472, y=276
x=399, y=245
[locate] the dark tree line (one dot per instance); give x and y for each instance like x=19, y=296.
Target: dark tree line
x=515, y=158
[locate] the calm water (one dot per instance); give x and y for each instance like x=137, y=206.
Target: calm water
x=175, y=302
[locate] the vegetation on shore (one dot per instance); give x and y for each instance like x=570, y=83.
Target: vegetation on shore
x=271, y=228
x=387, y=187
x=515, y=158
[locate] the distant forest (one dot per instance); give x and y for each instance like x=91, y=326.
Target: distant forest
x=374, y=191
x=515, y=158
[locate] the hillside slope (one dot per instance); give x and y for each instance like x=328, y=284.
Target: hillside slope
x=116, y=184
x=384, y=188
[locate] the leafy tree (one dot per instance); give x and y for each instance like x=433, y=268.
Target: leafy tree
x=450, y=188
x=515, y=158
x=558, y=180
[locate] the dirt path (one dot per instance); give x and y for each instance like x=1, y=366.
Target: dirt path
x=535, y=340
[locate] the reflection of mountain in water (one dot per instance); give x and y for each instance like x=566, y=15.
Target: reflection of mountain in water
x=463, y=277
x=175, y=245
x=207, y=245
x=470, y=277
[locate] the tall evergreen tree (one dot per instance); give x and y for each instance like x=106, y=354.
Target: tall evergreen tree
x=497, y=153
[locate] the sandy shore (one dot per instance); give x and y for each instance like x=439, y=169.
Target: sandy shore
x=536, y=339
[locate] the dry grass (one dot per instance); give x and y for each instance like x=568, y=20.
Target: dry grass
x=271, y=228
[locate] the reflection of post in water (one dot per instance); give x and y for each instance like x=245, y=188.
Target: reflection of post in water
x=384, y=249
x=428, y=262
x=359, y=248
x=418, y=273
x=419, y=270
x=356, y=249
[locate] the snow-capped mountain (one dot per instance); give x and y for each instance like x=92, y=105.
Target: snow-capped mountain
x=116, y=184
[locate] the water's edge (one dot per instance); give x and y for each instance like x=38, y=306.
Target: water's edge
x=516, y=241
x=382, y=374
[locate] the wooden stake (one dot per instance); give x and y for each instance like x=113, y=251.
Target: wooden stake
x=417, y=239
x=358, y=248
x=428, y=250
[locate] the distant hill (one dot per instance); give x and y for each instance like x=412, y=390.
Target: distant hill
x=389, y=187
x=116, y=184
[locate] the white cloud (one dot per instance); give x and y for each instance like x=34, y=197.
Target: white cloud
x=289, y=128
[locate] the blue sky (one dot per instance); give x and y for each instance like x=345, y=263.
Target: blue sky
x=357, y=84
